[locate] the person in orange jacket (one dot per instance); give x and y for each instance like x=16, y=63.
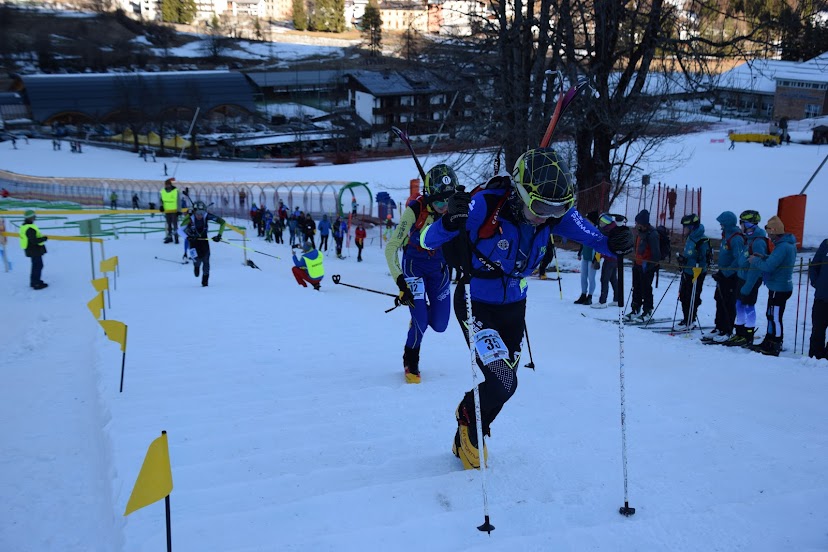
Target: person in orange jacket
x=360, y=240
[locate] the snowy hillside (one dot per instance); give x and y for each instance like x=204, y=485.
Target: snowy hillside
x=291, y=428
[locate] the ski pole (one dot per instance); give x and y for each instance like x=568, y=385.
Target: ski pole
x=531, y=363
x=487, y=526
x=403, y=136
x=190, y=134
x=558, y=270
x=626, y=509
x=798, y=294
x=169, y=260
x=250, y=249
x=659, y=302
x=805, y=317
x=337, y=279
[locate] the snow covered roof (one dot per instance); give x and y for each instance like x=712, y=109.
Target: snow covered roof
x=98, y=95
x=294, y=79
x=282, y=139
x=756, y=75
x=399, y=83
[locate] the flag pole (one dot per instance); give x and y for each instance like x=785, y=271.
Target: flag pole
x=167, y=509
x=123, y=362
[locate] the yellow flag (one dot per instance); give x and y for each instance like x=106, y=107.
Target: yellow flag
x=155, y=478
x=697, y=270
x=100, y=284
x=108, y=265
x=96, y=304
x=116, y=331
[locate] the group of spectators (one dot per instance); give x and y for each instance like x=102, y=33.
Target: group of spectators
x=302, y=228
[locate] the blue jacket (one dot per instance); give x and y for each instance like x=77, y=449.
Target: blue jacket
x=777, y=268
x=324, y=226
x=818, y=272
x=340, y=230
x=516, y=247
x=732, y=243
x=695, y=250
x=755, y=244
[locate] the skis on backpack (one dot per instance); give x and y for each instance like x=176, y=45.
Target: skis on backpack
x=564, y=101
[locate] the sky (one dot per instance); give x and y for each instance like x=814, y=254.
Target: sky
x=291, y=428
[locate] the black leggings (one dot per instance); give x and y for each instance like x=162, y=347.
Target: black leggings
x=775, y=311
x=500, y=375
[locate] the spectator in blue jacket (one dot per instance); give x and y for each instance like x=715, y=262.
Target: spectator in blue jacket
x=508, y=226
x=777, y=273
x=292, y=224
x=340, y=230
x=730, y=250
x=756, y=243
x=324, y=228
x=695, y=253
x=818, y=275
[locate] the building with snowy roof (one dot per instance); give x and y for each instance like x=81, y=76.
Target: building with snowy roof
x=776, y=89
x=116, y=97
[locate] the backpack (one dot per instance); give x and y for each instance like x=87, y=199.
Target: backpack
x=708, y=257
x=664, y=245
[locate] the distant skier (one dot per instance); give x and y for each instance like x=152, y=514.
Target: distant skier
x=195, y=228
x=32, y=242
x=695, y=255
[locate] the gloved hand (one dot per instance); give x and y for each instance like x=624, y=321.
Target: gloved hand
x=161, y=208
x=217, y=238
x=458, y=210
x=620, y=240
x=596, y=265
x=682, y=260
x=406, y=297
x=44, y=239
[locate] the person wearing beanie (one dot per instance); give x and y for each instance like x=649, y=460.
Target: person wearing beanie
x=647, y=255
x=310, y=268
x=749, y=280
x=609, y=269
x=777, y=274
x=31, y=241
x=730, y=250
x=818, y=276
x=169, y=206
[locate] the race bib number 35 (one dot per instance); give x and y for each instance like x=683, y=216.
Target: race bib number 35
x=490, y=346
x=416, y=286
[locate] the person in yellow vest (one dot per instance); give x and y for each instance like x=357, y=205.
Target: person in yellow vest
x=31, y=241
x=310, y=268
x=169, y=206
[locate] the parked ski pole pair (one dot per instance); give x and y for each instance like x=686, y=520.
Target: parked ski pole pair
x=337, y=279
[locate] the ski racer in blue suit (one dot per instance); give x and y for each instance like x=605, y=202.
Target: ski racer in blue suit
x=507, y=225
x=423, y=278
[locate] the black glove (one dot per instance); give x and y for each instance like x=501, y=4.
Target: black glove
x=217, y=238
x=620, y=240
x=458, y=210
x=161, y=208
x=682, y=260
x=406, y=297
x=44, y=239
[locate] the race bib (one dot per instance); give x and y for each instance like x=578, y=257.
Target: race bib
x=415, y=284
x=490, y=346
x=192, y=253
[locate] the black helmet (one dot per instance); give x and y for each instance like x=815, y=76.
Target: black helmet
x=750, y=216
x=199, y=207
x=543, y=182
x=440, y=181
x=690, y=220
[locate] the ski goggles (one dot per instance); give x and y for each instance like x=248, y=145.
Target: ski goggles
x=542, y=207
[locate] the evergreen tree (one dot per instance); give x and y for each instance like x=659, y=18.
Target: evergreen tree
x=300, y=16
x=372, y=28
x=178, y=11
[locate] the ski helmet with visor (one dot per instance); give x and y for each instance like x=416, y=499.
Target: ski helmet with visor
x=544, y=184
